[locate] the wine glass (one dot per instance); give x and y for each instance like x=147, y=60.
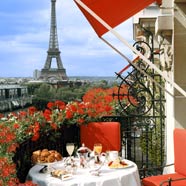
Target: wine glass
x=97, y=151
x=97, y=148
x=70, y=148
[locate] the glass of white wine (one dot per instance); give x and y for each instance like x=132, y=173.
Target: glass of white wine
x=70, y=148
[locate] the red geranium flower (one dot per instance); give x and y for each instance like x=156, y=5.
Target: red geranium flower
x=50, y=105
x=32, y=110
x=47, y=114
x=60, y=104
x=36, y=136
x=16, y=126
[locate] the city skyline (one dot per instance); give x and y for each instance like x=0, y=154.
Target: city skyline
x=24, y=38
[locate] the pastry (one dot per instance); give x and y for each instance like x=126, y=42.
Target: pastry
x=51, y=158
x=45, y=156
x=37, y=152
x=45, y=153
x=41, y=159
x=52, y=151
x=58, y=156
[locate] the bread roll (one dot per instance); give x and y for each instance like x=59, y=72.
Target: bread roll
x=45, y=153
x=52, y=151
x=41, y=159
x=58, y=156
x=37, y=152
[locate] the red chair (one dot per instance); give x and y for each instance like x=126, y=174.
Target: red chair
x=106, y=133
x=179, y=177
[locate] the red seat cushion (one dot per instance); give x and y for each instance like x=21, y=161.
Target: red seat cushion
x=156, y=180
x=179, y=162
x=180, y=150
x=106, y=133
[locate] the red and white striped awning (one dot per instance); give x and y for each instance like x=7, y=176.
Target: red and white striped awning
x=113, y=12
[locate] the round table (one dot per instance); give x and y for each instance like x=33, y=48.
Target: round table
x=108, y=177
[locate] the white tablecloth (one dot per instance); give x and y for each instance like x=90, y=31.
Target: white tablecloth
x=108, y=177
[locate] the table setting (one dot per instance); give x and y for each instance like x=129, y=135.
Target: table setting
x=86, y=167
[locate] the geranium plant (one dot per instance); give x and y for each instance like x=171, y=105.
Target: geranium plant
x=30, y=124
x=14, y=129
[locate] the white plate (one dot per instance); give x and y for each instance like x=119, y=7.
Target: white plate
x=129, y=164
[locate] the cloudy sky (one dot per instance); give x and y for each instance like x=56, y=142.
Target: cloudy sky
x=24, y=40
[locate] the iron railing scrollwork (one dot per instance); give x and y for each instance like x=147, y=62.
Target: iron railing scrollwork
x=143, y=113
x=139, y=95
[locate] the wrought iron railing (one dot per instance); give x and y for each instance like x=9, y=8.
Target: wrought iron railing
x=142, y=143
x=142, y=112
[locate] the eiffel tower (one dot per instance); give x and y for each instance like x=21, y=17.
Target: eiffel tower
x=47, y=72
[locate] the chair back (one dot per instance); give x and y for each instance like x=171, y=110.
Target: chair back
x=180, y=151
x=106, y=133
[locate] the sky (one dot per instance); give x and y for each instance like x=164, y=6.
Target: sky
x=24, y=40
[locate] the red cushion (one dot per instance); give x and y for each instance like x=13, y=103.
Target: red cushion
x=106, y=133
x=156, y=180
x=180, y=151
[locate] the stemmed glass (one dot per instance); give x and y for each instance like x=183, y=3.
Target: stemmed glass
x=70, y=148
x=97, y=148
x=70, y=164
x=97, y=151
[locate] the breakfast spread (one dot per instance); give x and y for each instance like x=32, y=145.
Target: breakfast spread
x=45, y=156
